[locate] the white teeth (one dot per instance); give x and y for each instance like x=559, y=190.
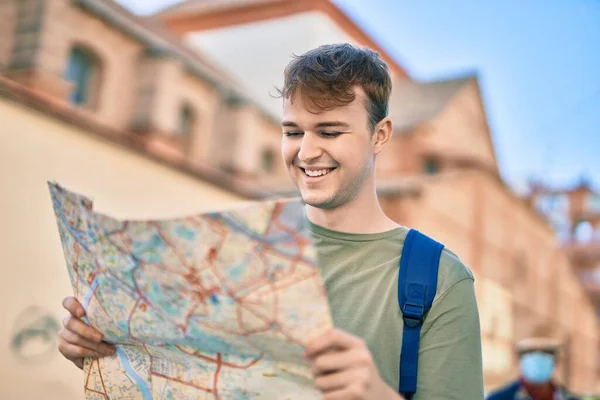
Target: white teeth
x=317, y=173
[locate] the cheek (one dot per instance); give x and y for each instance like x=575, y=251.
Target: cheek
x=288, y=151
x=353, y=155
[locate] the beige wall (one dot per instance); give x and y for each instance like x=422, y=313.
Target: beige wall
x=34, y=149
x=522, y=276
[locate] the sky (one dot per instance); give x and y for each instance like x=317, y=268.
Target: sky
x=538, y=63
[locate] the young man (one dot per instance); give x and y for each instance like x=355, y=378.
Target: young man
x=335, y=123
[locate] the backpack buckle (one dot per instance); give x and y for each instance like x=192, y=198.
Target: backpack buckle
x=412, y=313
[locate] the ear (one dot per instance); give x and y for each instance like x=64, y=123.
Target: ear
x=382, y=134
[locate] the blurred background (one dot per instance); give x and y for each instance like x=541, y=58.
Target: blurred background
x=164, y=108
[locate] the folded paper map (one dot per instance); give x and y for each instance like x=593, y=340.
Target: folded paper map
x=211, y=306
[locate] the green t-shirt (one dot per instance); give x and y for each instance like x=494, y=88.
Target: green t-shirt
x=361, y=275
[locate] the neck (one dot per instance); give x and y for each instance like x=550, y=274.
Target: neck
x=363, y=214
x=540, y=391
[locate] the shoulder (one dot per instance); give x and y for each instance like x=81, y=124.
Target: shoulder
x=568, y=395
x=506, y=393
x=451, y=271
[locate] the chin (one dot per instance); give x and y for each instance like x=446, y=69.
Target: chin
x=323, y=202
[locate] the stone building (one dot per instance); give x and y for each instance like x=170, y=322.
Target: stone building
x=172, y=114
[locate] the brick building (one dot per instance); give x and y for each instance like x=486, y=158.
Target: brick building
x=575, y=215
x=171, y=114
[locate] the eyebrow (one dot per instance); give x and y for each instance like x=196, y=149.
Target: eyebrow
x=325, y=124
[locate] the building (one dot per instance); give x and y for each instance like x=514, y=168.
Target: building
x=171, y=115
x=575, y=214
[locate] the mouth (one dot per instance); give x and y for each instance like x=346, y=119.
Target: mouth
x=316, y=173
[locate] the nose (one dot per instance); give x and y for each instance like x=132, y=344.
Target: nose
x=310, y=148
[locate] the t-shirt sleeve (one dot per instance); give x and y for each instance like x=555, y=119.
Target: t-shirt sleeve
x=450, y=363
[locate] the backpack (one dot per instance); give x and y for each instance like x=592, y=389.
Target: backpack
x=417, y=285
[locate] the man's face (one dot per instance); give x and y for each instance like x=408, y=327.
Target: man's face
x=329, y=154
x=537, y=366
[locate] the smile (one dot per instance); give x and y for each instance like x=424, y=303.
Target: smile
x=315, y=173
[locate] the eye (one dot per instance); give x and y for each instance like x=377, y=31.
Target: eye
x=330, y=134
x=293, y=134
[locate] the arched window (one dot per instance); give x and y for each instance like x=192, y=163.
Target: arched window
x=186, y=122
x=431, y=166
x=268, y=159
x=83, y=71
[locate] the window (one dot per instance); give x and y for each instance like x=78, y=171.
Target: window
x=268, y=158
x=593, y=202
x=83, y=71
x=584, y=232
x=431, y=166
x=186, y=122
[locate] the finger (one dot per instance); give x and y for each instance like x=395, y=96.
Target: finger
x=340, y=394
x=335, y=381
x=331, y=340
x=355, y=390
x=72, y=305
x=80, y=328
x=73, y=338
x=340, y=360
x=74, y=352
x=78, y=362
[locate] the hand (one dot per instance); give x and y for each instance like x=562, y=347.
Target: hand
x=77, y=340
x=343, y=368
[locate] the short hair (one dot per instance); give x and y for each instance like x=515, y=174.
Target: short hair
x=327, y=76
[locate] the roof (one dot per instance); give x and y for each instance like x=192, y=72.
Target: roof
x=413, y=103
x=198, y=15
x=203, y=6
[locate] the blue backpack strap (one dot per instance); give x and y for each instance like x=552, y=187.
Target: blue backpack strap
x=417, y=284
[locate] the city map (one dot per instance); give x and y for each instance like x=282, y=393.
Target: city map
x=210, y=306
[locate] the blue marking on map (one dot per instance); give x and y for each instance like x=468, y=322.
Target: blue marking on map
x=239, y=394
x=141, y=384
x=279, y=241
x=79, y=236
x=273, y=269
x=88, y=297
x=214, y=299
x=185, y=233
x=149, y=250
x=205, y=342
x=166, y=297
x=235, y=272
